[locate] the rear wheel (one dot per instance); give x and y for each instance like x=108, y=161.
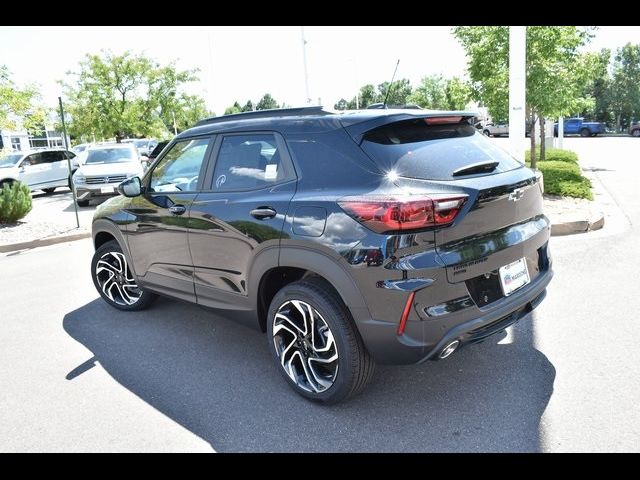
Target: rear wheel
x=636, y=132
x=585, y=132
x=83, y=203
x=113, y=279
x=49, y=191
x=487, y=132
x=315, y=343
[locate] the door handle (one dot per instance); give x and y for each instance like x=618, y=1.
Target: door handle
x=263, y=213
x=177, y=209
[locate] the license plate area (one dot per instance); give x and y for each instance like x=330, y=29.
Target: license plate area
x=513, y=276
x=106, y=189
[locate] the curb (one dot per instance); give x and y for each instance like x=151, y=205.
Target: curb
x=578, y=226
x=43, y=242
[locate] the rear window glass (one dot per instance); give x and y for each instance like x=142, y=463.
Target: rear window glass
x=413, y=149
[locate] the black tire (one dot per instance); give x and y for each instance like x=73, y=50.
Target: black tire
x=584, y=132
x=635, y=133
x=354, y=364
x=103, y=254
x=83, y=203
x=5, y=182
x=49, y=191
x=486, y=132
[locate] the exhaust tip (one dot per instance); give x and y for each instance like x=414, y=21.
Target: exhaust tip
x=449, y=349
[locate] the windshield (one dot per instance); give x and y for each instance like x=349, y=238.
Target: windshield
x=140, y=143
x=110, y=155
x=10, y=159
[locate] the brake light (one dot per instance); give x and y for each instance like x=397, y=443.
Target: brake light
x=442, y=120
x=384, y=214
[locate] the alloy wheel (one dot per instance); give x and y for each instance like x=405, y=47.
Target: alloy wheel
x=305, y=346
x=115, y=279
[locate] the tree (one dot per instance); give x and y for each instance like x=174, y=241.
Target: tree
x=399, y=94
x=431, y=93
x=556, y=72
x=458, y=93
x=266, y=103
x=248, y=107
x=366, y=97
x=19, y=106
x=129, y=96
x=624, y=94
x=235, y=108
x=598, y=87
x=342, y=104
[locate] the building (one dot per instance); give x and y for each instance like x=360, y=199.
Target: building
x=22, y=140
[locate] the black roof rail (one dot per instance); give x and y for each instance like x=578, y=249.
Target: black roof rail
x=275, y=112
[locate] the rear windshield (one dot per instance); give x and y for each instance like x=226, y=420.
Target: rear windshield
x=413, y=149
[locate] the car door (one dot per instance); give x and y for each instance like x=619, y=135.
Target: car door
x=571, y=126
x=239, y=214
x=157, y=230
x=57, y=172
x=32, y=170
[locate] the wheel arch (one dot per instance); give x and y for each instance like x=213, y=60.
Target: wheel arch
x=104, y=230
x=296, y=263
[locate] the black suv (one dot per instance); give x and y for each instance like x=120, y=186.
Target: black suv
x=390, y=236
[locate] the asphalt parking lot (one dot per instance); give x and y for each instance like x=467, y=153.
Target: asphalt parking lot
x=78, y=375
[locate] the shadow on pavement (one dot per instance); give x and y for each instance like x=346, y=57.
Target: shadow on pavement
x=215, y=378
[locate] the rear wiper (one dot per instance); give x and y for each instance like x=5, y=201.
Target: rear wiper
x=480, y=167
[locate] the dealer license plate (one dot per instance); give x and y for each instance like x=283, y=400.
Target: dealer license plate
x=514, y=276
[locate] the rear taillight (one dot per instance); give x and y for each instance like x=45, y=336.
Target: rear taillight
x=385, y=214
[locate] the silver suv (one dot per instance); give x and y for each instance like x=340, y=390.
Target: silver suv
x=44, y=169
x=102, y=168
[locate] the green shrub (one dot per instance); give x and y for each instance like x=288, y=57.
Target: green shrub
x=553, y=155
x=15, y=202
x=566, y=179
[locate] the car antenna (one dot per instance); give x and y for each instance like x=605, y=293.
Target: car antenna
x=384, y=104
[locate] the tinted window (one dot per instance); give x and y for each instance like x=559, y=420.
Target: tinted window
x=179, y=169
x=111, y=155
x=248, y=162
x=414, y=149
x=50, y=157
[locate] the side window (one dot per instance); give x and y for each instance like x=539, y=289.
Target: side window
x=247, y=162
x=50, y=157
x=69, y=154
x=179, y=169
x=34, y=159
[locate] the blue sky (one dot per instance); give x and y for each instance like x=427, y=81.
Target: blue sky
x=241, y=63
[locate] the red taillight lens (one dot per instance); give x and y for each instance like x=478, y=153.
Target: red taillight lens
x=389, y=214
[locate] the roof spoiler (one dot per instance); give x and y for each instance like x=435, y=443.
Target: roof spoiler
x=357, y=130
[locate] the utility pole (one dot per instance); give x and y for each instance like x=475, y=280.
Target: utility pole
x=175, y=129
x=66, y=146
x=517, y=89
x=304, y=61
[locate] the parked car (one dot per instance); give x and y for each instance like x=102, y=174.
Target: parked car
x=262, y=214
x=634, y=129
x=42, y=169
x=577, y=126
x=102, y=168
x=80, y=148
x=495, y=130
x=144, y=145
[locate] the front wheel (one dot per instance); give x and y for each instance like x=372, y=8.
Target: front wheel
x=487, y=133
x=49, y=191
x=585, y=132
x=83, y=203
x=113, y=279
x=636, y=132
x=315, y=343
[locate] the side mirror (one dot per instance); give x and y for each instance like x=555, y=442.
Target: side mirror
x=131, y=187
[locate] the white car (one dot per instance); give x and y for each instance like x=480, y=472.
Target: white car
x=492, y=129
x=43, y=170
x=103, y=168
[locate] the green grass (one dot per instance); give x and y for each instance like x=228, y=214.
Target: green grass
x=553, y=155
